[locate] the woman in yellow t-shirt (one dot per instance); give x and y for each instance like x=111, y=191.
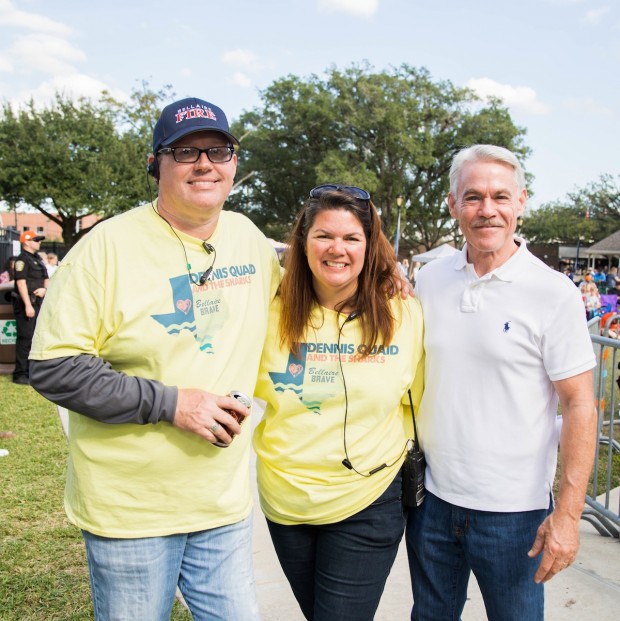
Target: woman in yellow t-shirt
x=341, y=354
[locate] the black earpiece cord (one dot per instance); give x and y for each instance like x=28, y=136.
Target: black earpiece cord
x=346, y=462
x=206, y=275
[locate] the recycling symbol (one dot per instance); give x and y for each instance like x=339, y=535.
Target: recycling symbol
x=8, y=332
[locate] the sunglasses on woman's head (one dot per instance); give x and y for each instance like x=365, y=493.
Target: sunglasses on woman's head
x=352, y=190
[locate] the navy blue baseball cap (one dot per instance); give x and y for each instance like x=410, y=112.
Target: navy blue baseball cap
x=188, y=116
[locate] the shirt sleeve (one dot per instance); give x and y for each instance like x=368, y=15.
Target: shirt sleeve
x=566, y=346
x=90, y=386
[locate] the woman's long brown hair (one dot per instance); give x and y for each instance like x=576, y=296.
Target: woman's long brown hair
x=371, y=300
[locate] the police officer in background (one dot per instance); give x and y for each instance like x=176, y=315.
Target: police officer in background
x=30, y=285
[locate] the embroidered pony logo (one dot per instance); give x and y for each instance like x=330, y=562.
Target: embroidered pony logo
x=506, y=326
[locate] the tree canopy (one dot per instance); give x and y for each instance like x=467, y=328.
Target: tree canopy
x=590, y=213
x=392, y=132
x=76, y=158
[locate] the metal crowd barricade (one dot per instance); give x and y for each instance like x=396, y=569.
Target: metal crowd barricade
x=599, y=510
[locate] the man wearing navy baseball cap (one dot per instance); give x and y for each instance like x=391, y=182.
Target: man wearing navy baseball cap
x=164, y=315
x=187, y=116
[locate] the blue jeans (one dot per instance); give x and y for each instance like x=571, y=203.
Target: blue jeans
x=446, y=542
x=136, y=579
x=338, y=571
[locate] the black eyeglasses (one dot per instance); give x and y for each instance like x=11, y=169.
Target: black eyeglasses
x=190, y=155
x=353, y=190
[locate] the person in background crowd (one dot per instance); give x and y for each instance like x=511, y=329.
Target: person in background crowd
x=8, y=273
x=330, y=446
x=586, y=280
x=613, y=280
x=568, y=272
x=505, y=339
x=403, y=266
x=52, y=263
x=592, y=300
x=153, y=318
x=31, y=282
x=599, y=276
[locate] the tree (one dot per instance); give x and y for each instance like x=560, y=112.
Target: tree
x=137, y=117
x=393, y=133
x=77, y=158
x=558, y=223
x=66, y=161
x=590, y=213
x=282, y=144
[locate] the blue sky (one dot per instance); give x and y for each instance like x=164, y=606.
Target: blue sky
x=556, y=63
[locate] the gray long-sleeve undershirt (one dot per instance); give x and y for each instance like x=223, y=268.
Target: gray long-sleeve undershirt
x=90, y=386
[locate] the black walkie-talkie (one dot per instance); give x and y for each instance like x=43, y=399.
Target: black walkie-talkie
x=413, y=469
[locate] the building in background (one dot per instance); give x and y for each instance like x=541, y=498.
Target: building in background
x=38, y=222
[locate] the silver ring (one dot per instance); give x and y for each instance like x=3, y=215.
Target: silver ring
x=214, y=427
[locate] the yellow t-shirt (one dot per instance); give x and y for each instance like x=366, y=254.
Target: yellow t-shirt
x=123, y=294
x=300, y=440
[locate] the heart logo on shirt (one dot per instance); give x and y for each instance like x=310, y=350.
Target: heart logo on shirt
x=184, y=305
x=295, y=369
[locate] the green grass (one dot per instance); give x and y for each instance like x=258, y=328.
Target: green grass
x=43, y=572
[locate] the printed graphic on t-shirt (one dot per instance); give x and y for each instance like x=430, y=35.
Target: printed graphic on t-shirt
x=202, y=309
x=314, y=376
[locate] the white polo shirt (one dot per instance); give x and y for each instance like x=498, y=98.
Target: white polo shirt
x=494, y=345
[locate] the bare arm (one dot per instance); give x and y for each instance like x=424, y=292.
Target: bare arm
x=558, y=536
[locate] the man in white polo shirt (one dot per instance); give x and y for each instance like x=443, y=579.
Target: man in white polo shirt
x=505, y=339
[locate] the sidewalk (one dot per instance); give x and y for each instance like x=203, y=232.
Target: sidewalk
x=588, y=589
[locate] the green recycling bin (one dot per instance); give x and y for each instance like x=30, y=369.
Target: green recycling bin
x=8, y=328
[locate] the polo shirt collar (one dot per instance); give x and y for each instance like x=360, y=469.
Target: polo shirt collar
x=508, y=271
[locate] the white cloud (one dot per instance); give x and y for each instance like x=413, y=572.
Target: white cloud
x=358, y=8
x=241, y=58
x=45, y=49
x=240, y=79
x=596, y=15
x=10, y=16
x=73, y=86
x=46, y=53
x=522, y=98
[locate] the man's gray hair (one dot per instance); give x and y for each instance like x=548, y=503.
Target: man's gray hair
x=485, y=153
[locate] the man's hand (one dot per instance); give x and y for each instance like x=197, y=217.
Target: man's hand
x=207, y=415
x=558, y=539
x=40, y=292
x=402, y=284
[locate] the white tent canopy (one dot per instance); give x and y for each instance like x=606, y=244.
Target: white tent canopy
x=444, y=250
x=279, y=246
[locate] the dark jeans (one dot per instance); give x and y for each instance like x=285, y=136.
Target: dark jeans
x=25, y=331
x=338, y=571
x=445, y=543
